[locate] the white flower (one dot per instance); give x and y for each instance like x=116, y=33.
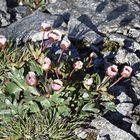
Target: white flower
x=46, y=64
x=55, y=35
x=78, y=65
x=88, y=83
x=93, y=55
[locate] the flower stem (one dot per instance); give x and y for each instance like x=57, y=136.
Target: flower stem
x=60, y=56
x=116, y=81
x=6, y=56
x=89, y=64
x=57, y=73
x=71, y=73
x=104, y=81
x=47, y=87
x=43, y=40
x=45, y=46
x=46, y=76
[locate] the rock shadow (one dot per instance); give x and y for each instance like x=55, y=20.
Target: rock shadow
x=127, y=19
x=101, y=6
x=118, y=11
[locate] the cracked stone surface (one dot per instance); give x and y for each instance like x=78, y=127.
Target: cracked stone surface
x=109, y=131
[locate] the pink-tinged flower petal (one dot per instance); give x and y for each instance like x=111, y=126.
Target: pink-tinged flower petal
x=126, y=72
x=46, y=64
x=55, y=35
x=56, y=85
x=31, y=79
x=112, y=71
x=65, y=43
x=2, y=41
x=78, y=65
x=46, y=26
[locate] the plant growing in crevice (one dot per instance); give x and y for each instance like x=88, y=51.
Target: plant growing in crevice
x=36, y=83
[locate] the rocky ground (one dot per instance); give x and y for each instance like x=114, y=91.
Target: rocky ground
x=93, y=21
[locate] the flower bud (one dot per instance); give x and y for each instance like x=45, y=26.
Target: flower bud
x=31, y=79
x=112, y=71
x=65, y=43
x=93, y=55
x=46, y=64
x=46, y=26
x=2, y=41
x=78, y=65
x=55, y=35
x=87, y=83
x=126, y=72
x=56, y=85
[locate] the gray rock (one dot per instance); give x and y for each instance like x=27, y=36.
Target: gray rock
x=123, y=56
x=104, y=15
x=125, y=108
x=78, y=30
x=134, y=33
x=134, y=46
x=4, y=16
x=109, y=131
x=135, y=82
x=123, y=97
x=135, y=128
x=19, y=12
x=29, y=25
x=117, y=38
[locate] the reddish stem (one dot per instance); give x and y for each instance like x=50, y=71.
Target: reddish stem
x=46, y=76
x=57, y=73
x=45, y=46
x=60, y=56
x=116, y=81
x=6, y=56
x=71, y=73
x=47, y=87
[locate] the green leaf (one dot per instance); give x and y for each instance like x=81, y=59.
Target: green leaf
x=110, y=106
x=17, y=77
x=90, y=107
x=36, y=68
x=71, y=88
x=32, y=90
x=8, y=102
x=55, y=98
x=104, y=98
x=12, y=88
x=33, y=107
x=43, y=101
x=64, y=110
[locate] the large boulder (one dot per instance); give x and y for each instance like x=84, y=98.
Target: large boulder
x=25, y=28
x=108, y=131
x=4, y=16
x=105, y=15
